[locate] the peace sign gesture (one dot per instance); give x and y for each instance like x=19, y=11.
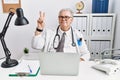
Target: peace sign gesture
x=40, y=21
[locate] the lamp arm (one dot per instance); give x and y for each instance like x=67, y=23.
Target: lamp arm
x=2, y=34
x=6, y=24
x=6, y=50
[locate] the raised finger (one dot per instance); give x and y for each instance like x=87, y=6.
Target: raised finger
x=42, y=15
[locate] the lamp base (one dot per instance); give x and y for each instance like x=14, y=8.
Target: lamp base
x=10, y=63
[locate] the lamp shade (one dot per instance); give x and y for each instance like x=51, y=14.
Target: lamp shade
x=20, y=20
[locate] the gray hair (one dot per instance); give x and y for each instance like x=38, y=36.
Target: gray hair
x=66, y=9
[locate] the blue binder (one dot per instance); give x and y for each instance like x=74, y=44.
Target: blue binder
x=100, y=6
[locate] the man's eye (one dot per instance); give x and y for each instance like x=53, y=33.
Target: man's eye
x=66, y=17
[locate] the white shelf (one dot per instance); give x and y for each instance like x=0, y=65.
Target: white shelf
x=98, y=31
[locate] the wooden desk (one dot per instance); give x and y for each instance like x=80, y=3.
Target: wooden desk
x=85, y=73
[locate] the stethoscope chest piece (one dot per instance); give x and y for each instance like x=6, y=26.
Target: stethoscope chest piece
x=73, y=44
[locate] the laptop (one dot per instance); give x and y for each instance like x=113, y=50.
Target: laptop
x=59, y=63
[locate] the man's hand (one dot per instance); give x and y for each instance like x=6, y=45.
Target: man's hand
x=40, y=21
x=81, y=59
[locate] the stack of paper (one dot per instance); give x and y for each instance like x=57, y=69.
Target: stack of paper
x=26, y=68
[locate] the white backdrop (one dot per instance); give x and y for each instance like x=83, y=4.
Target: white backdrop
x=17, y=38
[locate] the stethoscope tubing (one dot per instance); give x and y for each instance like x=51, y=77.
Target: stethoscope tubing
x=57, y=35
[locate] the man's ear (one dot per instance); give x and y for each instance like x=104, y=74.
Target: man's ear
x=71, y=19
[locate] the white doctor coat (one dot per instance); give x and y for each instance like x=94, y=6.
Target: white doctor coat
x=44, y=42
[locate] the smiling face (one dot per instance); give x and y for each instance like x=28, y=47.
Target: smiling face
x=65, y=19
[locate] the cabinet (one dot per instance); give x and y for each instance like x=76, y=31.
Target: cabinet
x=98, y=31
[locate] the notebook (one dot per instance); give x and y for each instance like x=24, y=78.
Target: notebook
x=62, y=64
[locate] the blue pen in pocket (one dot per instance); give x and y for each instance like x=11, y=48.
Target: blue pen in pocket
x=79, y=41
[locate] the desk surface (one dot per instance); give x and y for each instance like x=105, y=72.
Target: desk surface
x=85, y=73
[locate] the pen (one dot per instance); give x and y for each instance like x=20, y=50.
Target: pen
x=30, y=69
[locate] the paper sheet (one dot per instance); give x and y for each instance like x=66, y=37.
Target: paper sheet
x=23, y=67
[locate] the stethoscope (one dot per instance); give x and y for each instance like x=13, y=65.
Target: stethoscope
x=57, y=36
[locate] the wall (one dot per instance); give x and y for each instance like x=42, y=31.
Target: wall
x=19, y=37
x=117, y=32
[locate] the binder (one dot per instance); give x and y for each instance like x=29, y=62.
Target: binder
x=98, y=27
x=24, y=70
x=79, y=24
x=78, y=27
x=74, y=23
x=107, y=46
x=103, y=26
x=92, y=50
x=100, y=6
x=109, y=26
x=84, y=26
x=94, y=26
x=97, y=49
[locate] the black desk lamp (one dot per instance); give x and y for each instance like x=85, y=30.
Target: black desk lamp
x=20, y=20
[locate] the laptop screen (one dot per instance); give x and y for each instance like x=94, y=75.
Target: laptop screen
x=59, y=63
